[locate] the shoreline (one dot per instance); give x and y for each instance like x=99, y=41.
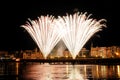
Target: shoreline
x=105, y=61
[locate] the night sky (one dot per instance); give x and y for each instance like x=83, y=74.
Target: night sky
x=14, y=14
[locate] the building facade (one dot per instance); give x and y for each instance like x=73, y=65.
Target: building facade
x=105, y=52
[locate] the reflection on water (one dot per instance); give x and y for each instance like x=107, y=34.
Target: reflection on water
x=52, y=72
x=46, y=71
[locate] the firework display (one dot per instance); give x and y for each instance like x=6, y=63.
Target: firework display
x=44, y=33
x=79, y=29
x=74, y=29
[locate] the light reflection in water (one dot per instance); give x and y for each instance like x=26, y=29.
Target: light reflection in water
x=52, y=72
x=37, y=71
x=118, y=70
x=75, y=74
x=17, y=68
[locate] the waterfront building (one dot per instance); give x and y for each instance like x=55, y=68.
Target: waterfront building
x=4, y=54
x=83, y=53
x=32, y=54
x=67, y=54
x=105, y=52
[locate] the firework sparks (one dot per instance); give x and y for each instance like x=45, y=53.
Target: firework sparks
x=44, y=32
x=75, y=30
x=78, y=30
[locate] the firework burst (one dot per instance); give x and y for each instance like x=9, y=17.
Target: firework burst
x=75, y=30
x=44, y=32
x=78, y=29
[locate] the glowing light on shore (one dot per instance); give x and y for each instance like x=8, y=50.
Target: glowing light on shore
x=79, y=29
x=44, y=32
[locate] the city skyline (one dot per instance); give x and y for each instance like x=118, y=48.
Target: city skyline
x=17, y=13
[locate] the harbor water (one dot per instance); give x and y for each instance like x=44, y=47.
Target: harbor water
x=57, y=71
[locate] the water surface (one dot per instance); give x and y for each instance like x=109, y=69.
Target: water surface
x=57, y=71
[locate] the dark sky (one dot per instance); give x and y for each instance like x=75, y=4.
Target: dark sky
x=14, y=14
